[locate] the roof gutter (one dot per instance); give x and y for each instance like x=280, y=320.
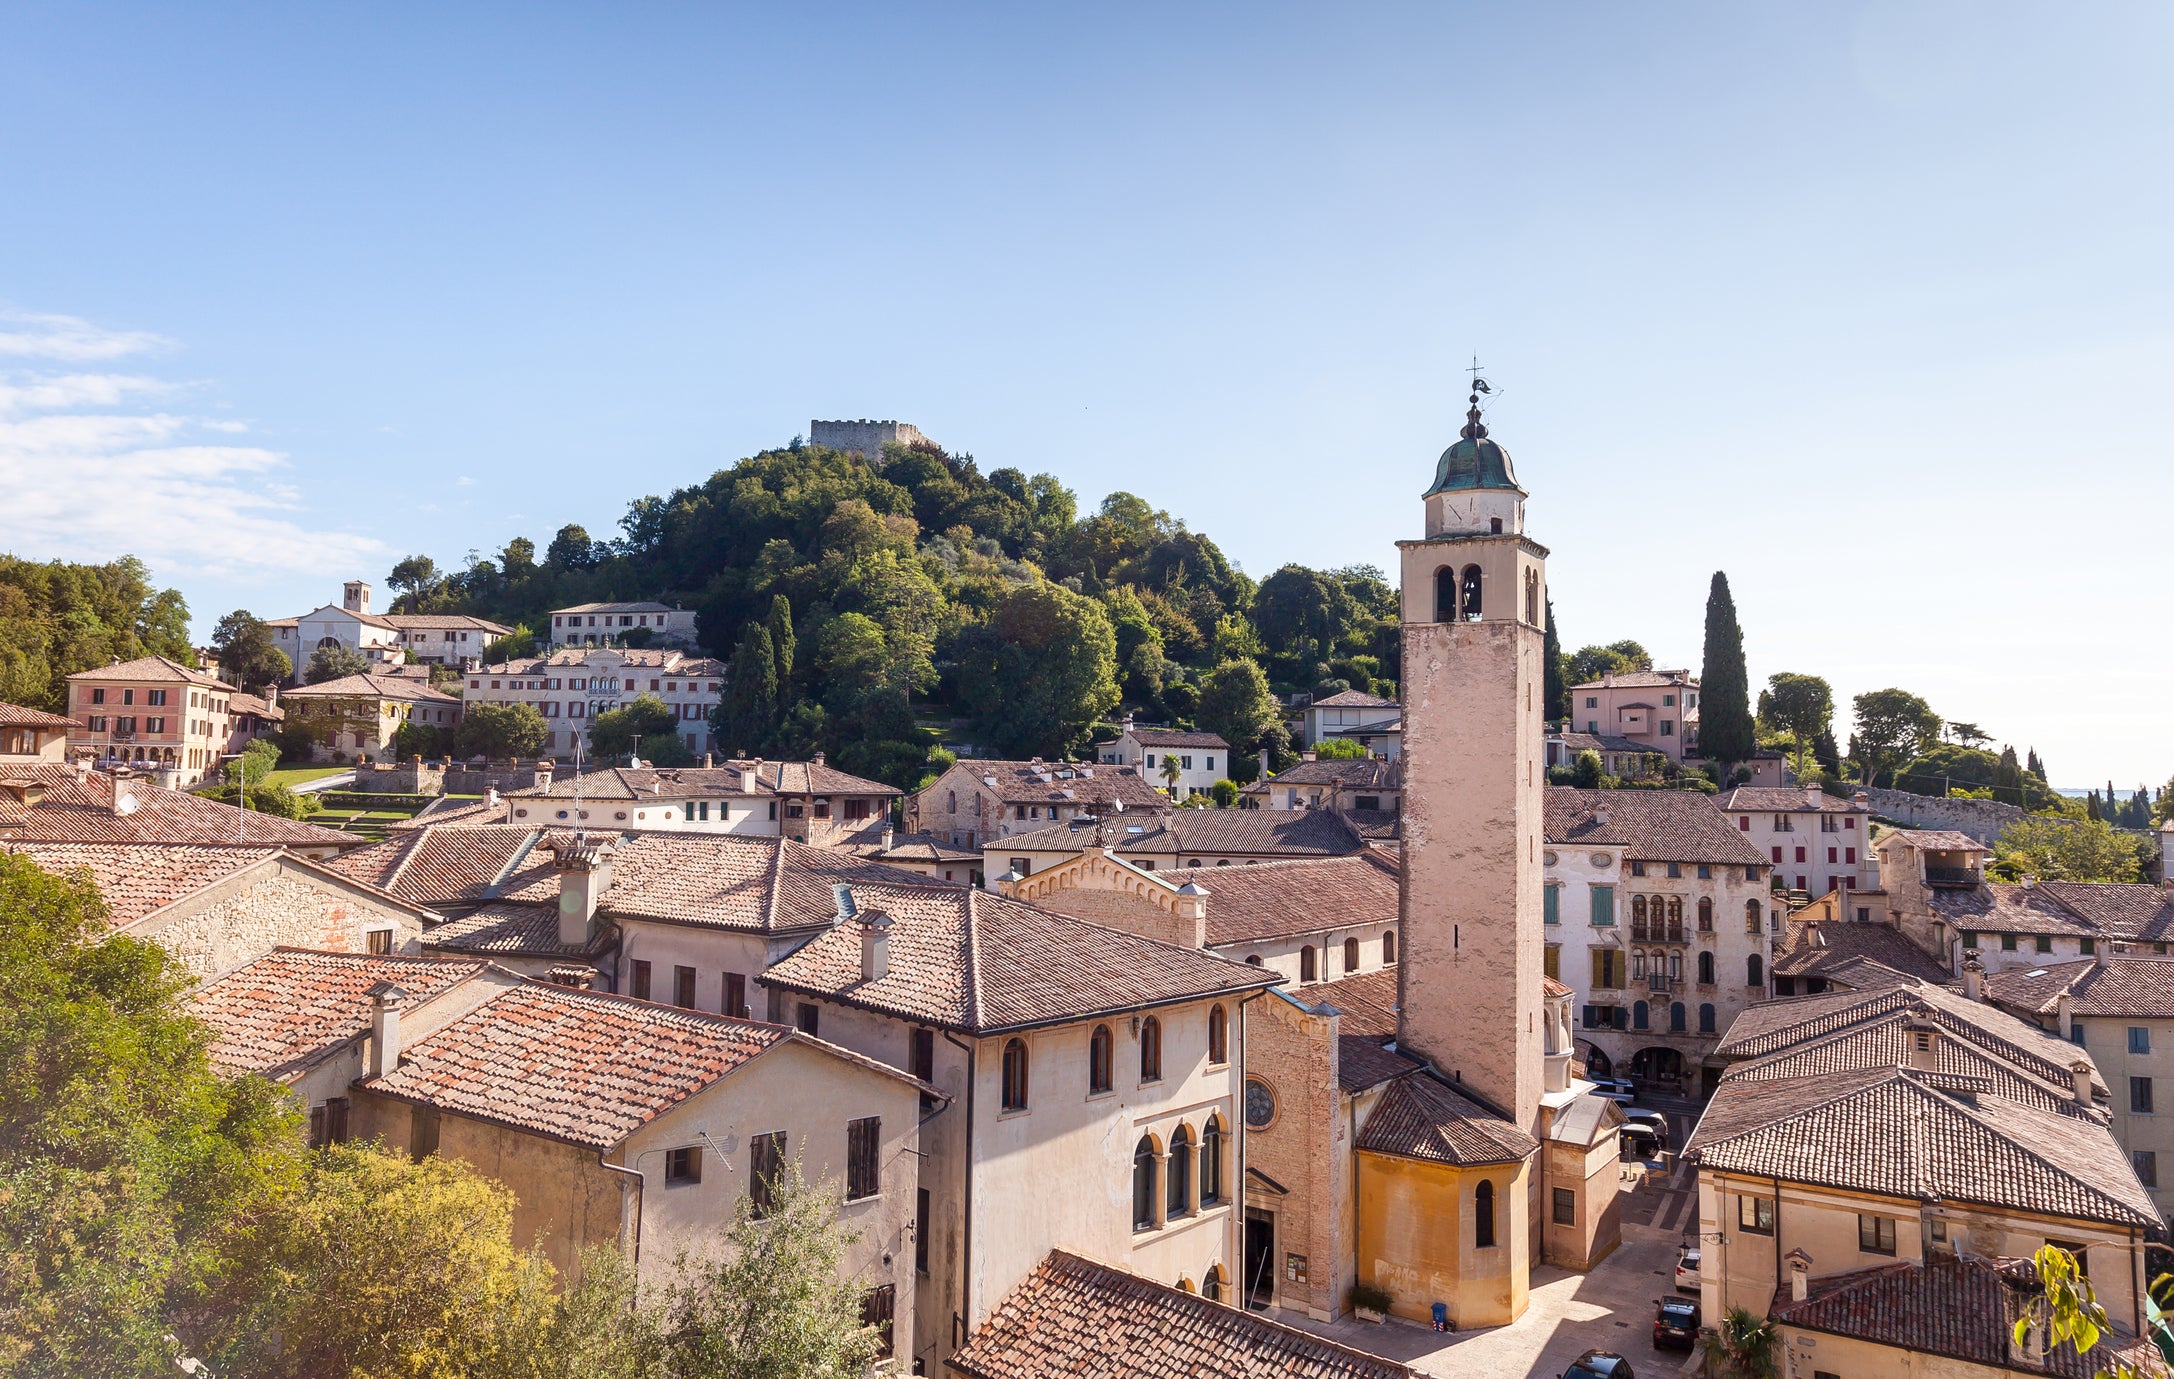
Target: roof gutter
x=631, y=1248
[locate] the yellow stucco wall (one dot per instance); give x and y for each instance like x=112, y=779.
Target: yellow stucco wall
x=1416, y=1232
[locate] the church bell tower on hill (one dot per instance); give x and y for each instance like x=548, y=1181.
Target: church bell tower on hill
x=1474, y=629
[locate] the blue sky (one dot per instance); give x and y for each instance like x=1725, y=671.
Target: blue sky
x=1866, y=305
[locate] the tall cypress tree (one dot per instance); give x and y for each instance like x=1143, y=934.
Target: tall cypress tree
x=782, y=642
x=749, y=711
x=1725, y=732
x=1555, y=693
x=2033, y=765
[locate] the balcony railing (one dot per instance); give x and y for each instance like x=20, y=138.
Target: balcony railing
x=1952, y=876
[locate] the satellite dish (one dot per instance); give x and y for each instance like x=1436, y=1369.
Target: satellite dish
x=127, y=805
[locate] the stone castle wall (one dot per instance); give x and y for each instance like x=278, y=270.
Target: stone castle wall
x=863, y=437
x=1981, y=819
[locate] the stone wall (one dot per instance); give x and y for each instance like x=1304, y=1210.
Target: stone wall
x=412, y=778
x=1981, y=819
x=467, y=779
x=863, y=437
x=1294, y=1052
x=245, y=917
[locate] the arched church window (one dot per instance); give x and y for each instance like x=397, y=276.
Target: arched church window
x=1483, y=1215
x=1445, y=594
x=1099, y=1061
x=1751, y=916
x=1675, y=967
x=1211, y=1162
x=1706, y=969
x=1307, y=971
x=1151, y=1050
x=1468, y=603
x=1388, y=949
x=1218, y=1036
x=1143, y=1184
x=1351, y=955
x=951, y=802
x=1638, y=916
x=1754, y=970
x=1178, y=1175
x=1015, y=1075
x=1705, y=914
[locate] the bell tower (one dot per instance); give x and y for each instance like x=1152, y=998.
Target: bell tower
x=1474, y=633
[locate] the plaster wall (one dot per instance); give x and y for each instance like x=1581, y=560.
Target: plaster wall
x=1412, y=1243
x=711, y=952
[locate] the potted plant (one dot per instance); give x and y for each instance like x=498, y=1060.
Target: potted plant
x=1370, y=1300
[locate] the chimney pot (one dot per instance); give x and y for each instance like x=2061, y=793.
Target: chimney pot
x=1800, y=1270
x=876, y=948
x=584, y=876
x=2064, y=1010
x=1973, y=980
x=1922, y=1051
x=384, y=1055
x=2079, y=1073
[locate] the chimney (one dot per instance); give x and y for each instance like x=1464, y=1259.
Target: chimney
x=574, y=976
x=1309, y=756
x=751, y=777
x=584, y=875
x=384, y=1053
x=816, y=759
x=2102, y=952
x=1862, y=799
x=876, y=948
x=709, y=761
x=271, y=696
x=1191, y=907
x=490, y=796
x=1264, y=764
x=1812, y=936
x=2064, y=1011
x=1800, y=1274
x=1921, y=1046
x=1814, y=796
x=1600, y=818
x=2079, y=1073
x=1973, y=980
x=124, y=797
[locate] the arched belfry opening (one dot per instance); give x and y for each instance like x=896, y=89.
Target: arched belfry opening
x=1468, y=605
x=1445, y=594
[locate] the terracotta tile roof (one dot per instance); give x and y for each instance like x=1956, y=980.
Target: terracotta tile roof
x=1641, y=679
x=1421, y=1118
x=1774, y=1025
x=372, y=687
x=581, y=1066
x=1353, y=699
x=281, y=1014
x=1602, y=742
x=1815, y=949
x=1959, y=1307
x=448, y=864
x=1352, y=773
x=1061, y=782
x=1549, y=986
x=448, y=810
x=250, y=703
x=139, y=880
x=1767, y=799
x=1286, y=833
x=926, y=847
x=1073, y=1317
x=1368, y=1002
x=1894, y=1133
x=1171, y=737
x=2001, y=908
x=1278, y=899
x=506, y=929
x=1375, y=825
x=1884, y=1043
x=1650, y=825
x=2135, y=988
x=81, y=811
x=642, y=607
x=1361, y=1062
x=754, y=884
x=18, y=716
x=969, y=960
x=728, y=781
x=2126, y=911
x=441, y=622
x=1933, y=839
x=151, y=668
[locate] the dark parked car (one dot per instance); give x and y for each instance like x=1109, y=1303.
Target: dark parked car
x=1675, y=1323
x=1599, y=1364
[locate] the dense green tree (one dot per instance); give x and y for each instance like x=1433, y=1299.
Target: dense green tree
x=1969, y=734
x=415, y=576
x=502, y=730
x=1339, y=749
x=1237, y=705
x=131, y=1175
x=334, y=663
x=1827, y=754
x=57, y=618
x=571, y=549
x=1893, y=726
x=783, y=644
x=1555, y=691
x=1726, y=734
x=644, y=727
x=413, y=739
x=247, y=652
x=2036, y=767
x=1588, y=771
x=1800, y=705
x=747, y=715
x=2054, y=849
x=1039, y=673
x=1591, y=663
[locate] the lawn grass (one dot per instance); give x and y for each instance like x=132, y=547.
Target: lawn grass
x=291, y=776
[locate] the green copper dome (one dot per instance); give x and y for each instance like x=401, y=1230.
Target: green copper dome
x=1473, y=461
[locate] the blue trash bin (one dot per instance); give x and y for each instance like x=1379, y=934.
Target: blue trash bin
x=1441, y=1316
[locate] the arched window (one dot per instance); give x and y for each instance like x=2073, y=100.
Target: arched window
x=1143, y=1184
x=1755, y=970
x=1638, y=916
x=1253, y=960
x=1705, y=914
x=1675, y=919
x=1211, y=1287
x=1468, y=605
x=951, y=801
x=1388, y=949
x=1185, y=1285
x=1218, y=1035
x=1445, y=595
x=1151, y=1050
x=1211, y=1162
x=1306, y=969
x=1640, y=1015
x=1638, y=964
x=327, y=643
x=1706, y=1019
x=1675, y=1018
x=1099, y=1060
x=1675, y=967
x=1178, y=1175
x=1751, y=916
x=1351, y=955
x=1483, y=1215
x=1015, y=1075
x=1705, y=969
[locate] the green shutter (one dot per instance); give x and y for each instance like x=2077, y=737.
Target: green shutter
x=1554, y=903
x=1603, y=905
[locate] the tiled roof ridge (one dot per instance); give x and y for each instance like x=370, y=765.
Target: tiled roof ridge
x=421, y=841
x=2062, y=1093
x=1848, y=1084
x=2021, y=1145
x=971, y=983
x=297, y=949
x=1316, y=1346
x=774, y=883
x=514, y=862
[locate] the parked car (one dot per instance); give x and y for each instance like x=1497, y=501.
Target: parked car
x=1599, y=1364
x=1675, y=1323
x=1651, y=1120
x=1687, y=1276
x=1616, y=1089
x=1639, y=1142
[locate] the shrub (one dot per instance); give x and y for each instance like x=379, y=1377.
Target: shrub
x=1371, y=1296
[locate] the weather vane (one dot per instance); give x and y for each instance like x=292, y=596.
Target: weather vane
x=1479, y=385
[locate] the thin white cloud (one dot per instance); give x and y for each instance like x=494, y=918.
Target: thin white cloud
x=464, y=482
x=48, y=336
x=91, y=473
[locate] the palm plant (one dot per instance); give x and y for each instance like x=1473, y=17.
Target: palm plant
x=1742, y=1347
x=1170, y=773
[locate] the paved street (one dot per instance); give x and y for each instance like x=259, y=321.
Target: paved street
x=1610, y=1307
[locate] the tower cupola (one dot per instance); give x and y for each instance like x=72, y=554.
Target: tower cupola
x=1475, y=490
